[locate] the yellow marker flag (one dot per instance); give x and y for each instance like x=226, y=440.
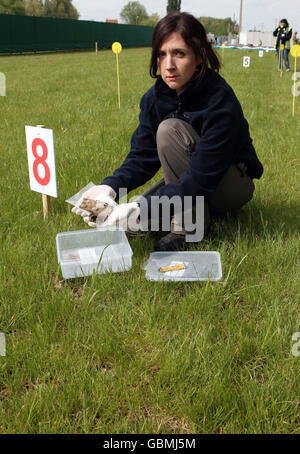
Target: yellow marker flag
x=281, y=62
x=295, y=52
x=117, y=48
x=223, y=45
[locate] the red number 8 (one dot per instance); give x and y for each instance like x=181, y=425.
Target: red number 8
x=40, y=160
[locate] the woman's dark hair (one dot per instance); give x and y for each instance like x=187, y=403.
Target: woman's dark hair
x=193, y=33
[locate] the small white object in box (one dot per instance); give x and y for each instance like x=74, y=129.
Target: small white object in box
x=82, y=252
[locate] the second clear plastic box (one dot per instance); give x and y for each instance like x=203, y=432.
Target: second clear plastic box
x=82, y=252
x=199, y=266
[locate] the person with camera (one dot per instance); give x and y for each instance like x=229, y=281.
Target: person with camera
x=283, y=33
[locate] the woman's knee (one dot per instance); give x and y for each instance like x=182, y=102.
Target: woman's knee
x=166, y=131
x=175, y=134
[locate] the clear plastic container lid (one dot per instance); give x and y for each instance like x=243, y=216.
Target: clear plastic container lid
x=74, y=199
x=193, y=266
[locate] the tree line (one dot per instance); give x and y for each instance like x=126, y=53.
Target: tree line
x=217, y=26
x=133, y=13
x=43, y=8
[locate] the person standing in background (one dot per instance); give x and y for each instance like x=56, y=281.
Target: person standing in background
x=283, y=33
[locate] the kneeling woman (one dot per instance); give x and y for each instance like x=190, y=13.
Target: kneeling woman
x=192, y=125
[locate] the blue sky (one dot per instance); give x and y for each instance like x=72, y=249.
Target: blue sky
x=262, y=14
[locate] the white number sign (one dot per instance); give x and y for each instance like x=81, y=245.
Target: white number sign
x=246, y=62
x=260, y=53
x=2, y=84
x=296, y=86
x=41, y=160
x=2, y=344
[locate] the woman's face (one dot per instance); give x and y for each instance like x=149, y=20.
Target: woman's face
x=176, y=61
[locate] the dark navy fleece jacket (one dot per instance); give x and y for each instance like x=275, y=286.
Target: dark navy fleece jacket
x=213, y=110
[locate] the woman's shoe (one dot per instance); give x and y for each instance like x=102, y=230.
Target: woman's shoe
x=171, y=242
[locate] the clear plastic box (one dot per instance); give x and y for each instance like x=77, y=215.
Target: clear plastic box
x=198, y=266
x=82, y=252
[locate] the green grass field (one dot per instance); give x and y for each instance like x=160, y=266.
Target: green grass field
x=117, y=353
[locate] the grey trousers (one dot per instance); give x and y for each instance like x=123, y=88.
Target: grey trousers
x=176, y=140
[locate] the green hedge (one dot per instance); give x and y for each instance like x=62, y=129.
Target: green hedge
x=35, y=34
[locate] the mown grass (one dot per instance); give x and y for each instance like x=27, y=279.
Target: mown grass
x=116, y=353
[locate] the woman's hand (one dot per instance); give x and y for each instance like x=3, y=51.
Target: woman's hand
x=125, y=216
x=98, y=200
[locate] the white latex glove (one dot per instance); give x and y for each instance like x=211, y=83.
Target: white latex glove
x=102, y=193
x=125, y=216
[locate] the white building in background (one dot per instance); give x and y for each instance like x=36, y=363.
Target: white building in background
x=253, y=38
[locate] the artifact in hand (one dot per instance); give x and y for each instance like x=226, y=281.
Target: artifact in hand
x=100, y=210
